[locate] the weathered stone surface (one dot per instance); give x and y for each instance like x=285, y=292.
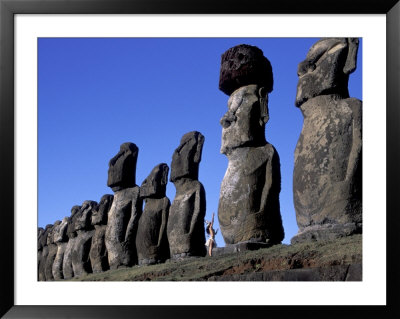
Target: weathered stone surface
x=43, y=252
x=68, y=271
x=80, y=252
x=60, y=239
x=185, y=228
x=244, y=122
x=122, y=168
x=151, y=239
x=248, y=206
x=187, y=157
x=243, y=65
x=98, y=252
x=52, y=252
x=155, y=185
x=121, y=228
x=326, y=68
x=327, y=178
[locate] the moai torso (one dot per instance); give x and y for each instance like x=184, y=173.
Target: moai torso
x=60, y=239
x=68, y=271
x=98, y=251
x=80, y=253
x=327, y=172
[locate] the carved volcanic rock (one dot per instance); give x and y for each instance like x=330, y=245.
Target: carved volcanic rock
x=68, y=271
x=151, y=239
x=326, y=68
x=60, y=239
x=43, y=252
x=98, y=251
x=126, y=208
x=122, y=168
x=248, y=208
x=185, y=227
x=52, y=252
x=80, y=253
x=187, y=157
x=121, y=228
x=243, y=65
x=327, y=179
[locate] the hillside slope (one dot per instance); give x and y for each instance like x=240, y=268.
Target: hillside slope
x=316, y=261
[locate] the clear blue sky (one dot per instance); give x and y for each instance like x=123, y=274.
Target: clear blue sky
x=95, y=94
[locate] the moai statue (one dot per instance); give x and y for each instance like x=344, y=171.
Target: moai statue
x=43, y=251
x=151, y=239
x=60, y=238
x=248, y=209
x=327, y=170
x=52, y=252
x=98, y=252
x=68, y=271
x=185, y=227
x=125, y=210
x=84, y=234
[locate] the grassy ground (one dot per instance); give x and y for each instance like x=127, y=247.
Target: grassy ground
x=343, y=251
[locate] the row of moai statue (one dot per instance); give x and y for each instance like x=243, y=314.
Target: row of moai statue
x=327, y=184
x=117, y=232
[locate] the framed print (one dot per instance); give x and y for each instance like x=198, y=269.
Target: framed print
x=26, y=27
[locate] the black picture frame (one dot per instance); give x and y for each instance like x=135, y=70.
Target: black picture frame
x=8, y=8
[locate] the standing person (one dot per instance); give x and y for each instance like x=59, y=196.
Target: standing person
x=211, y=232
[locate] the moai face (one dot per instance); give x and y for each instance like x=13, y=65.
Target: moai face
x=50, y=236
x=326, y=68
x=60, y=231
x=100, y=213
x=71, y=221
x=155, y=184
x=122, y=168
x=84, y=216
x=186, y=158
x=244, y=123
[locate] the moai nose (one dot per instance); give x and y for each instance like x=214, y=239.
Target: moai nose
x=227, y=119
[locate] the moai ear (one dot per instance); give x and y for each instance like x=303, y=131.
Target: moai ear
x=264, y=114
x=351, y=61
x=200, y=142
x=164, y=177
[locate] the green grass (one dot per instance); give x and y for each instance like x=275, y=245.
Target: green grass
x=343, y=251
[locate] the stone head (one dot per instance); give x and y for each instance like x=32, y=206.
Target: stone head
x=71, y=221
x=187, y=157
x=242, y=65
x=60, y=231
x=326, y=68
x=155, y=184
x=50, y=235
x=122, y=168
x=84, y=216
x=42, y=240
x=100, y=213
x=244, y=122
